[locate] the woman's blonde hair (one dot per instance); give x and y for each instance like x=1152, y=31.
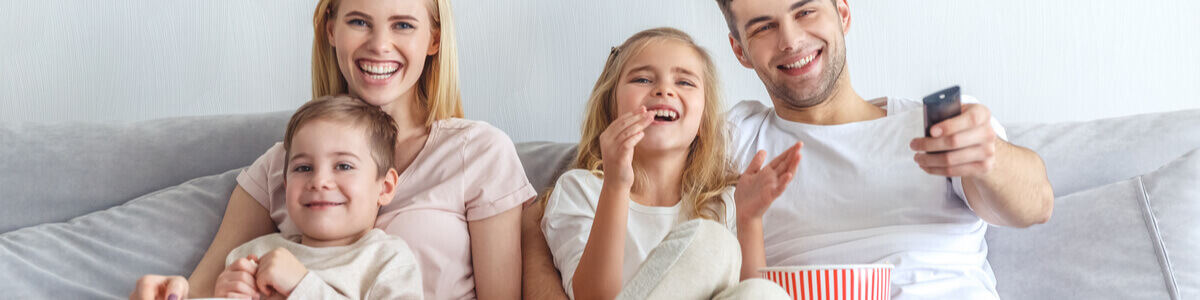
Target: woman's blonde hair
x=438, y=84
x=708, y=170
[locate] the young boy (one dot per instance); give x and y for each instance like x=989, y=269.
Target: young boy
x=338, y=174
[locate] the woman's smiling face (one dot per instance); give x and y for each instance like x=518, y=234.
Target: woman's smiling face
x=381, y=47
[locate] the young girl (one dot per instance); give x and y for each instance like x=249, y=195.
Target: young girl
x=652, y=165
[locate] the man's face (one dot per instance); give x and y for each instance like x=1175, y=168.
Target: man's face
x=797, y=47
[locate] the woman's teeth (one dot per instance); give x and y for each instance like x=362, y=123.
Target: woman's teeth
x=802, y=61
x=665, y=115
x=379, y=70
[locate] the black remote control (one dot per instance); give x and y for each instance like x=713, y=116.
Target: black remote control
x=940, y=106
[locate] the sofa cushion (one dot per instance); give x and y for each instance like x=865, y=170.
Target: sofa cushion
x=545, y=161
x=1134, y=239
x=101, y=255
x=55, y=172
x=1084, y=155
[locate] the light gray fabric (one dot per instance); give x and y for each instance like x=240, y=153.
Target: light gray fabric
x=754, y=289
x=697, y=260
x=55, y=172
x=1134, y=239
x=1172, y=197
x=544, y=162
x=1084, y=155
x=101, y=255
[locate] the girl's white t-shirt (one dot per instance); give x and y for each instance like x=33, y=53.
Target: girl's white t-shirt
x=571, y=209
x=859, y=198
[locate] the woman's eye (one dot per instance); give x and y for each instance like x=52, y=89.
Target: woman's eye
x=404, y=25
x=344, y=167
x=302, y=169
x=357, y=22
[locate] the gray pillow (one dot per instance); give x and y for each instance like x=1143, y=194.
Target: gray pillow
x=102, y=254
x=545, y=161
x=1084, y=155
x=58, y=171
x=1134, y=239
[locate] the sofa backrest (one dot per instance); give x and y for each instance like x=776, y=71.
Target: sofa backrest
x=55, y=172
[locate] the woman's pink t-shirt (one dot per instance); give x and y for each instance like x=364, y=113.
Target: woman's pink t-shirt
x=467, y=171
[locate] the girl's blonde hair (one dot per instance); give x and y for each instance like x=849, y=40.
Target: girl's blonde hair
x=438, y=84
x=708, y=170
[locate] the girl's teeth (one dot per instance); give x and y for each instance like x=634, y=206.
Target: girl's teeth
x=671, y=115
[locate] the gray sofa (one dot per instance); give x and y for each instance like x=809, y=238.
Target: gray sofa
x=90, y=207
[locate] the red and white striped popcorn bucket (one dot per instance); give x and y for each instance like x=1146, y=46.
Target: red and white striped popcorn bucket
x=827, y=282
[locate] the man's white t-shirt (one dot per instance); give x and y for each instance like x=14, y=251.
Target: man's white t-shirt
x=572, y=208
x=859, y=198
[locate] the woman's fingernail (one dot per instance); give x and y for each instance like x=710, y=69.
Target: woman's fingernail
x=172, y=297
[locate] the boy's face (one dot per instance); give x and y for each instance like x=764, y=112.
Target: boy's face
x=332, y=189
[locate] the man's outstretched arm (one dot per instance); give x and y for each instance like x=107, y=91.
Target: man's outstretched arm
x=1004, y=184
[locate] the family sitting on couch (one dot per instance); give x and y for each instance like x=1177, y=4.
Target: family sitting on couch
x=667, y=197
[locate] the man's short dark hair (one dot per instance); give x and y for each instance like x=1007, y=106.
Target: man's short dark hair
x=725, y=10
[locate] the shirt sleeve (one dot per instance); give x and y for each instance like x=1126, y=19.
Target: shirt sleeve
x=568, y=222
x=956, y=182
x=399, y=276
x=264, y=176
x=496, y=181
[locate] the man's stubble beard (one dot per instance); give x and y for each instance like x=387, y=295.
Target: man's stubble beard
x=794, y=98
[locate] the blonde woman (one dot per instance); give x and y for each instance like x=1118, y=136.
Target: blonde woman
x=651, y=180
x=460, y=187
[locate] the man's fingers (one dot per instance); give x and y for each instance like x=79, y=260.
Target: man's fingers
x=956, y=157
x=973, y=115
x=962, y=170
x=959, y=140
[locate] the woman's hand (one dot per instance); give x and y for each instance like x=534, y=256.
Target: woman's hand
x=151, y=287
x=237, y=281
x=616, y=147
x=758, y=187
x=279, y=272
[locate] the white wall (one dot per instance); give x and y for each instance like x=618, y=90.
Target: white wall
x=528, y=65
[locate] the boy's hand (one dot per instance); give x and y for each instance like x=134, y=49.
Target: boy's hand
x=237, y=281
x=616, y=146
x=279, y=272
x=758, y=187
x=151, y=287
x=966, y=145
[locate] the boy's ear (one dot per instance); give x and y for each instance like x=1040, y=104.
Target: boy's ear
x=389, y=187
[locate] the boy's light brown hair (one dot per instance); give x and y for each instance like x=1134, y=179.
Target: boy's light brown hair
x=378, y=126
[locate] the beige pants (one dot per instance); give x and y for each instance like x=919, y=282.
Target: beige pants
x=699, y=259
